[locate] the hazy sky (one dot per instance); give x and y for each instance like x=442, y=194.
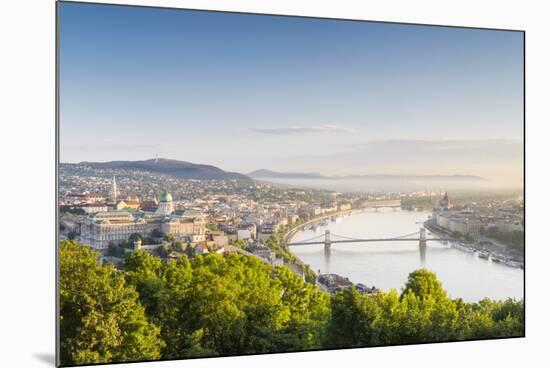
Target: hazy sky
x=245, y=92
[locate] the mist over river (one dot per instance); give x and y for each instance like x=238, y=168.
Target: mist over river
x=386, y=265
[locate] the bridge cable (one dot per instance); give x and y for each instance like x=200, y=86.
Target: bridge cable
x=350, y=238
x=310, y=239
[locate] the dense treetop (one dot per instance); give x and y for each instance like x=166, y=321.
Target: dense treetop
x=234, y=304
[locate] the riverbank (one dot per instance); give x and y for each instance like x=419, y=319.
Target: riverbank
x=486, y=248
x=298, y=266
x=288, y=236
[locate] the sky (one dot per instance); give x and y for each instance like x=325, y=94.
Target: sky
x=246, y=92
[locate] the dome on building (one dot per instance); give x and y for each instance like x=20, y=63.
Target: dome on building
x=166, y=197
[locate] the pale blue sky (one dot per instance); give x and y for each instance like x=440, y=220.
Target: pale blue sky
x=245, y=92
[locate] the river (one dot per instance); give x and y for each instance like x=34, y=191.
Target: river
x=386, y=265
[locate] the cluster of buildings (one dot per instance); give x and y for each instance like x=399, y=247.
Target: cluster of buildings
x=506, y=216
x=112, y=221
x=333, y=283
x=103, y=228
x=264, y=252
x=106, y=218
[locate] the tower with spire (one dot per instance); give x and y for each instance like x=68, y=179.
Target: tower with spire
x=445, y=203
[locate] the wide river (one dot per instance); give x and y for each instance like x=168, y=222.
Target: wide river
x=386, y=265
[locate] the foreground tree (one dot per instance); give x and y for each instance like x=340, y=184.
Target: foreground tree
x=421, y=313
x=162, y=288
x=230, y=304
x=309, y=309
x=427, y=313
x=235, y=304
x=101, y=318
x=353, y=319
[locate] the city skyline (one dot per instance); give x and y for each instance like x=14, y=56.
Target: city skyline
x=245, y=92
x=230, y=184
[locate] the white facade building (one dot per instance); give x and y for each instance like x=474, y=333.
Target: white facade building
x=115, y=227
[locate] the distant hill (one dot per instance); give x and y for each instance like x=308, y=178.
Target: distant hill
x=268, y=174
x=262, y=173
x=362, y=183
x=177, y=169
x=416, y=177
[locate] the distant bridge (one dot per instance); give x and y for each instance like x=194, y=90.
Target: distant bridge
x=392, y=203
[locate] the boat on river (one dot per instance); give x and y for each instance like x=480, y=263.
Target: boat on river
x=497, y=259
x=463, y=247
x=514, y=264
x=483, y=255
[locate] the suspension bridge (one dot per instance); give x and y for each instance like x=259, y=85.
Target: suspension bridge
x=328, y=239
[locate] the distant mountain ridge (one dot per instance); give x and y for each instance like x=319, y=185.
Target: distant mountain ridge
x=269, y=174
x=175, y=168
x=189, y=170
x=262, y=173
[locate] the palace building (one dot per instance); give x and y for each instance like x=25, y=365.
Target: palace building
x=166, y=205
x=100, y=229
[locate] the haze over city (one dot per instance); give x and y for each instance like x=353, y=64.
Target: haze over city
x=288, y=94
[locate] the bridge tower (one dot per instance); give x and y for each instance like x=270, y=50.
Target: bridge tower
x=327, y=240
x=422, y=245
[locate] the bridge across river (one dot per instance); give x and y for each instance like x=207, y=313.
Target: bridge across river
x=328, y=241
x=391, y=203
x=345, y=239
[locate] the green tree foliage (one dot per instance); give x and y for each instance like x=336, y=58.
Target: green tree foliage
x=491, y=319
x=115, y=250
x=428, y=313
x=239, y=243
x=157, y=234
x=162, y=288
x=514, y=239
x=145, y=240
x=71, y=210
x=424, y=284
x=352, y=321
x=227, y=305
x=101, y=317
x=178, y=246
x=164, y=250
x=309, y=312
x=421, y=313
x=235, y=304
x=135, y=236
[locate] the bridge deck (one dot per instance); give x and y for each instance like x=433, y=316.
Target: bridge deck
x=367, y=241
